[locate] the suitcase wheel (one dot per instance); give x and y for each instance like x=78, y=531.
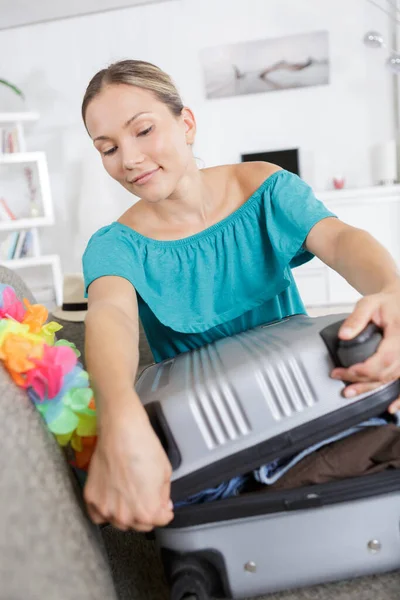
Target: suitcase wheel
x=191, y=583
x=186, y=587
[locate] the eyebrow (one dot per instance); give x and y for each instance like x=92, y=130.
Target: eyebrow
x=104, y=137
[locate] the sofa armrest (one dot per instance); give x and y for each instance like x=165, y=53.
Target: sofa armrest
x=48, y=547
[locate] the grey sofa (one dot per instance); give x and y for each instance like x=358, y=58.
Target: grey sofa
x=49, y=550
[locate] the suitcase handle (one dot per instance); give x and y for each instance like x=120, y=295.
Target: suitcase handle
x=350, y=352
x=164, y=434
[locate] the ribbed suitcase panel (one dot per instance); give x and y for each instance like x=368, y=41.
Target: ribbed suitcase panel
x=215, y=406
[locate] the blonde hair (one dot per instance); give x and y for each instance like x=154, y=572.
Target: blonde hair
x=139, y=74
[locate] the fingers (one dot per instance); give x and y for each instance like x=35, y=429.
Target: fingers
x=351, y=375
x=389, y=354
x=118, y=514
x=122, y=518
x=395, y=406
x=147, y=523
x=154, y=516
x=137, y=493
x=351, y=391
x=383, y=366
x=94, y=514
x=124, y=521
x=163, y=517
x=357, y=389
x=385, y=362
x=161, y=520
x=165, y=496
x=359, y=318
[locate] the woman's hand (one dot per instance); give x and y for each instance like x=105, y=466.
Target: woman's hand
x=383, y=309
x=128, y=483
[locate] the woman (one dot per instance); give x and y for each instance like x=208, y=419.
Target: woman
x=203, y=254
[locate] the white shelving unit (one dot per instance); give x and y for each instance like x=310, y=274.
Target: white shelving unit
x=45, y=218
x=18, y=117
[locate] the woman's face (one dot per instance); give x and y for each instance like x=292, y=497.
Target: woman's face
x=142, y=144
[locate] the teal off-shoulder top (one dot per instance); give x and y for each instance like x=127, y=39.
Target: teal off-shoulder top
x=230, y=277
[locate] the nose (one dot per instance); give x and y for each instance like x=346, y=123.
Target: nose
x=131, y=157
x=130, y=163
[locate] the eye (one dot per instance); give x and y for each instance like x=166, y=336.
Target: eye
x=109, y=152
x=146, y=131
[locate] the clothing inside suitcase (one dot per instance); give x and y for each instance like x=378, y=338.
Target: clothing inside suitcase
x=375, y=470
x=329, y=475
x=370, y=448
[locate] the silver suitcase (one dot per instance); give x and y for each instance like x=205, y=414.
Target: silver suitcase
x=241, y=402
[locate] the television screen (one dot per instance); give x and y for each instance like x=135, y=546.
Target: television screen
x=287, y=159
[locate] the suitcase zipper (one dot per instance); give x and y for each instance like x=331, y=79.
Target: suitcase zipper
x=267, y=501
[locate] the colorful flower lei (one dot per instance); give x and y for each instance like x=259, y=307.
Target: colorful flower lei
x=50, y=372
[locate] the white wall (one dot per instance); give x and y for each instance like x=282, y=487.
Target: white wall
x=15, y=13
x=334, y=126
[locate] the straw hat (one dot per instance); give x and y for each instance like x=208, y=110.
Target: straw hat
x=74, y=306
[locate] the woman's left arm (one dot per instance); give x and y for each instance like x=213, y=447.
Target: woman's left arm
x=370, y=269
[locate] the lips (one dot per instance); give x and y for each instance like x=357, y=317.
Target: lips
x=144, y=177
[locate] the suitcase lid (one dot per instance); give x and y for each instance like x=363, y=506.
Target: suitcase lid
x=241, y=402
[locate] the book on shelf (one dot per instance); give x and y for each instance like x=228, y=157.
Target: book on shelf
x=18, y=244
x=11, y=244
x=27, y=244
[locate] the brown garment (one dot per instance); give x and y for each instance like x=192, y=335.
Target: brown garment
x=369, y=451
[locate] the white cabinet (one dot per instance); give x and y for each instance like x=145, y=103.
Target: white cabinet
x=376, y=210
x=313, y=286
x=30, y=206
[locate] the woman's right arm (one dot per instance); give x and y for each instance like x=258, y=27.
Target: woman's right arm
x=129, y=476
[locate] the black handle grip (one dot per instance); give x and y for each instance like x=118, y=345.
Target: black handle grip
x=360, y=348
x=164, y=434
x=350, y=352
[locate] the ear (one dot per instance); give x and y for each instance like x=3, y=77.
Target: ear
x=190, y=125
